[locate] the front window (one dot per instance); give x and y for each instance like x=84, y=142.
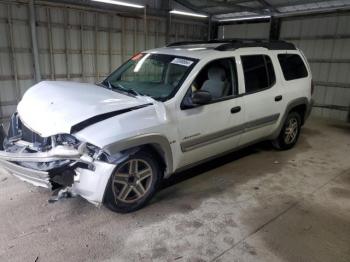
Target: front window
x=156, y=75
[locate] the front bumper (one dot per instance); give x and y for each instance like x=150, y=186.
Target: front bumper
x=90, y=176
x=10, y=161
x=35, y=177
x=89, y=183
x=55, y=162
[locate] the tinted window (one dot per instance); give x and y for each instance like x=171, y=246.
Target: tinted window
x=292, y=66
x=270, y=70
x=258, y=72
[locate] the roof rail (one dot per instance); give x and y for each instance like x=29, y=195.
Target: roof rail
x=232, y=44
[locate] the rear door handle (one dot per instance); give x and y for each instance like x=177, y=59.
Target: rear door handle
x=278, y=98
x=235, y=110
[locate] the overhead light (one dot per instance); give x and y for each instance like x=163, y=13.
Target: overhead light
x=119, y=3
x=177, y=12
x=245, y=18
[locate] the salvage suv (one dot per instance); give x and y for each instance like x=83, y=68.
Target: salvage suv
x=162, y=111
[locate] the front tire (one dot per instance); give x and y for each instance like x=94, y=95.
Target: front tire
x=290, y=132
x=133, y=183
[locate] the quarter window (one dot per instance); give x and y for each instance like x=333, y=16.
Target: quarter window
x=292, y=66
x=258, y=72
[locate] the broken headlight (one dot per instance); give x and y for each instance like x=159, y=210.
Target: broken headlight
x=95, y=152
x=66, y=139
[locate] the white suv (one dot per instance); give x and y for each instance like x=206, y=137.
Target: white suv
x=162, y=111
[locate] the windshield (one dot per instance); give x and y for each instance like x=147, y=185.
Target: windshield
x=156, y=75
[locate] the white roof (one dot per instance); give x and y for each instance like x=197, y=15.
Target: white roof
x=197, y=51
x=200, y=51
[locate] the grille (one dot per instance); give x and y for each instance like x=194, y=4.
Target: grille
x=19, y=130
x=32, y=137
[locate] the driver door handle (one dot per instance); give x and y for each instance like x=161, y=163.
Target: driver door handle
x=235, y=110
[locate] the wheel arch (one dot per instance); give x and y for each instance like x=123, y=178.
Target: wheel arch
x=300, y=105
x=156, y=143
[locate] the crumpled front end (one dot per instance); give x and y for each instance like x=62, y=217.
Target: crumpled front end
x=56, y=162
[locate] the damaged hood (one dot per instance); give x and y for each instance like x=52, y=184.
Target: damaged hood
x=53, y=107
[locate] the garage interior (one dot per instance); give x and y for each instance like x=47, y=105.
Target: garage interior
x=256, y=204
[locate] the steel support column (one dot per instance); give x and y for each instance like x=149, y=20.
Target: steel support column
x=275, y=27
x=167, y=8
x=145, y=28
x=34, y=41
x=209, y=27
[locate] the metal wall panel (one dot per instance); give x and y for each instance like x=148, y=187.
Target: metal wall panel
x=75, y=44
x=325, y=40
x=247, y=31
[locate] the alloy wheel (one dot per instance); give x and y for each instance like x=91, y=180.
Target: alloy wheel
x=291, y=131
x=132, y=180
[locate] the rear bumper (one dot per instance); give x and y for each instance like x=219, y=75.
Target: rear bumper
x=308, y=109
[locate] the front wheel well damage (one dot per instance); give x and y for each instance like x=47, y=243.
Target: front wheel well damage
x=157, y=152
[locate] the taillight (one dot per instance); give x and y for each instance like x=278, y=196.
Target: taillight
x=312, y=87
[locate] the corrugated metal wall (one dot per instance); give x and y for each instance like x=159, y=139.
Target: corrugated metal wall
x=325, y=40
x=74, y=44
x=248, y=31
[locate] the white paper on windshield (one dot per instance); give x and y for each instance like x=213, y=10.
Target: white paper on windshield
x=181, y=61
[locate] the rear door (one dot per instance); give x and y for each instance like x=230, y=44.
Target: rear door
x=263, y=98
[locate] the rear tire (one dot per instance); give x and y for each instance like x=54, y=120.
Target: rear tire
x=133, y=183
x=290, y=131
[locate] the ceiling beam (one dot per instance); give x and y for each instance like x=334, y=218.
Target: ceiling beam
x=232, y=7
x=300, y=2
x=189, y=5
x=267, y=5
x=276, y=11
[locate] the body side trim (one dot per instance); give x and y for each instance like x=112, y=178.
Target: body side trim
x=219, y=155
x=228, y=133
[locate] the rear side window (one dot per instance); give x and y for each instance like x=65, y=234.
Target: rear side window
x=292, y=66
x=258, y=72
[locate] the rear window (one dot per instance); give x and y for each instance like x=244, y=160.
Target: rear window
x=292, y=66
x=258, y=73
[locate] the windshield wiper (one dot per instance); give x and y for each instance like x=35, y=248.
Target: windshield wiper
x=122, y=88
x=128, y=90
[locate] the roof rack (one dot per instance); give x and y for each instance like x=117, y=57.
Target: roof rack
x=232, y=44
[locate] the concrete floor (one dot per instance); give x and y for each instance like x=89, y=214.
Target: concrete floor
x=254, y=205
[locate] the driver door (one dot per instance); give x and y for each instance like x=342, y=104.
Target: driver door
x=208, y=130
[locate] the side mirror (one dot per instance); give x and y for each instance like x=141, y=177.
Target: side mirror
x=201, y=97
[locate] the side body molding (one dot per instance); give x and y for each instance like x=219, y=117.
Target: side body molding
x=159, y=142
x=290, y=106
